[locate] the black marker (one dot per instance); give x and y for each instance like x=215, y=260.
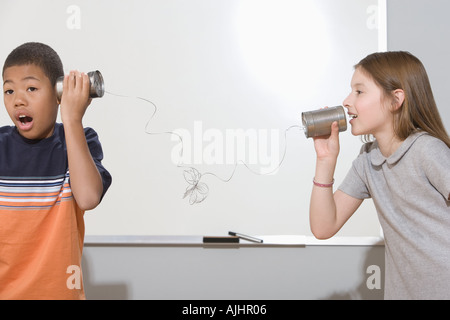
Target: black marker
x=243, y=236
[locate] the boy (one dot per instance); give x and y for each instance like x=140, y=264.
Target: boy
x=50, y=173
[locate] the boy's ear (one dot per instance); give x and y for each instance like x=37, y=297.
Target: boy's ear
x=399, y=98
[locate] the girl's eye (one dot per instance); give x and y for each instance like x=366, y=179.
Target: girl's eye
x=31, y=89
x=9, y=91
x=358, y=92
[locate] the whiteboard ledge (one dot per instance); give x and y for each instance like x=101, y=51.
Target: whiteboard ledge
x=271, y=240
x=346, y=241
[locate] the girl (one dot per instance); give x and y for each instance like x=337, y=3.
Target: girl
x=405, y=170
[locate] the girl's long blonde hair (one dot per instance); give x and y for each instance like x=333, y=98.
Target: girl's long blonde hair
x=401, y=70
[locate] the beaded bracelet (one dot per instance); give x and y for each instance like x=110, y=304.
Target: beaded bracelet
x=329, y=185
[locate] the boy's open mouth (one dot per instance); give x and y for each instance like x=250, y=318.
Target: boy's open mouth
x=25, y=119
x=25, y=122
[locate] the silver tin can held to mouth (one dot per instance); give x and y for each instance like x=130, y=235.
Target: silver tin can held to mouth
x=96, y=87
x=318, y=122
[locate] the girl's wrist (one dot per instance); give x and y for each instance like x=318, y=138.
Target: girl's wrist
x=324, y=174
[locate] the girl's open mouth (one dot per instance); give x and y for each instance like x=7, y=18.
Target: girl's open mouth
x=352, y=117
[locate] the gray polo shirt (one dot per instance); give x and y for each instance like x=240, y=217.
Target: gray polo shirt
x=411, y=191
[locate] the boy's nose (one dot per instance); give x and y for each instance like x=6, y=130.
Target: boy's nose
x=19, y=99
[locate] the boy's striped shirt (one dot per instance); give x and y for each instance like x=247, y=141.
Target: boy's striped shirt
x=41, y=225
x=33, y=193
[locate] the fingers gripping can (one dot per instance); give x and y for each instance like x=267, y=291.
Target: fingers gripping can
x=96, y=85
x=318, y=122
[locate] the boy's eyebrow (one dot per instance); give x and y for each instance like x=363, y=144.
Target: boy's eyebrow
x=26, y=78
x=7, y=81
x=31, y=78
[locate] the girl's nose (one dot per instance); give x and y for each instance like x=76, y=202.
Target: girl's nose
x=346, y=102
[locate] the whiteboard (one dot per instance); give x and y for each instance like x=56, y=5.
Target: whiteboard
x=221, y=82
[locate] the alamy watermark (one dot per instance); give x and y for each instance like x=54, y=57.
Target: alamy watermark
x=374, y=280
x=74, y=280
x=212, y=146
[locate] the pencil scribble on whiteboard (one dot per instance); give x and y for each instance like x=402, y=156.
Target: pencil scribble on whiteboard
x=197, y=191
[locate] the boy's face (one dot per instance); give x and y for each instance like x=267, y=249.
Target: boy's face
x=30, y=100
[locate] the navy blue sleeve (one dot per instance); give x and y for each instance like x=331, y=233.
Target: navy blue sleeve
x=96, y=150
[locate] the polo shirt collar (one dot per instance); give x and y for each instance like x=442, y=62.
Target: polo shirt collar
x=378, y=159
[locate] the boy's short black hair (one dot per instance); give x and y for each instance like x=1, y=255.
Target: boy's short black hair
x=38, y=54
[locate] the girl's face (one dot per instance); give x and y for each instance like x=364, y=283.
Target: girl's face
x=367, y=108
x=30, y=100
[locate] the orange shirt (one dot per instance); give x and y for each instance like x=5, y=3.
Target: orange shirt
x=41, y=240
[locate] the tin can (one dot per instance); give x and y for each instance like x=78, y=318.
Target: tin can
x=318, y=122
x=96, y=85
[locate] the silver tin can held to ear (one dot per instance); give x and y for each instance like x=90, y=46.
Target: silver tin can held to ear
x=318, y=122
x=96, y=88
